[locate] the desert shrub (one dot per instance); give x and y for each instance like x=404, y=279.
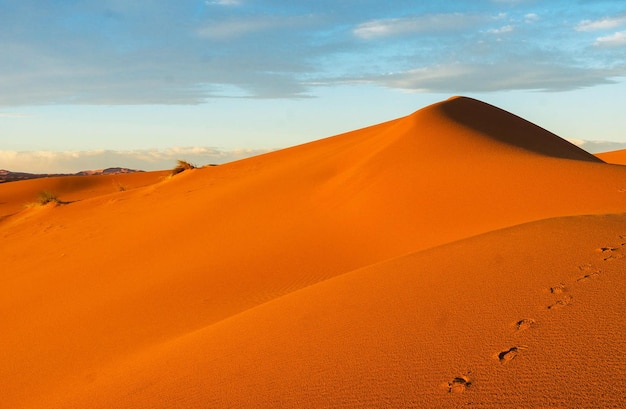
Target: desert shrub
x=46, y=197
x=182, y=166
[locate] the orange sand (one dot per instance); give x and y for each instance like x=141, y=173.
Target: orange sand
x=615, y=157
x=457, y=256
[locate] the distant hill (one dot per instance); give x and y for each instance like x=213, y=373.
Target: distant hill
x=8, y=176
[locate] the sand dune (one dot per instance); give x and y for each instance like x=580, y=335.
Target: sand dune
x=459, y=255
x=615, y=157
x=14, y=197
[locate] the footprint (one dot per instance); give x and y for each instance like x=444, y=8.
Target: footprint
x=589, y=272
x=588, y=267
x=560, y=303
x=559, y=289
x=459, y=384
x=524, y=324
x=610, y=252
x=608, y=249
x=614, y=257
x=586, y=277
x=510, y=354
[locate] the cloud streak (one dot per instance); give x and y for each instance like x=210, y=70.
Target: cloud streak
x=147, y=159
x=601, y=24
x=502, y=30
x=419, y=24
x=13, y=115
x=598, y=146
x=154, y=159
x=110, y=52
x=238, y=27
x=614, y=40
x=223, y=3
x=517, y=74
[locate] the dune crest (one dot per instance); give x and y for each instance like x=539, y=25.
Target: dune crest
x=417, y=262
x=502, y=126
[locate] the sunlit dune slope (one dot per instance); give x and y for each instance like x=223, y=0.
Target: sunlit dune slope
x=100, y=296
x=15, y=196
x=616, y=157
x=526, y=317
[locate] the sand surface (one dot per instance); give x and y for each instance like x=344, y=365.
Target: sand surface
x=616, y=157
x=459, y=256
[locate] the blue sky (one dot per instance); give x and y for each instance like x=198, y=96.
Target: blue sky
x=87, y=84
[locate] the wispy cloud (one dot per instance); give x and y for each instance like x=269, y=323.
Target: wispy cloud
x=601, y=24
x=531, y=18
x=155, y=159
x=418, y=24
x=147, y=159
x=112, y=52
x=502, y=30
x=223, y=3
x=232, y=28
x=517, y=74
x=13, y=115
x=221, y=30
x=509, y=1
x=598, y=146
x=613, y=40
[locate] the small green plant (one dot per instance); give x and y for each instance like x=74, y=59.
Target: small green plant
x=46, y=197
x=182, y=166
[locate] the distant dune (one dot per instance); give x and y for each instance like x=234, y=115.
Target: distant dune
x=616, y=157
x=458, y=256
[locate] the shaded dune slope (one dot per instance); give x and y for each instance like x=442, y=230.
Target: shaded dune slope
x=510, y=129
x=93, y=289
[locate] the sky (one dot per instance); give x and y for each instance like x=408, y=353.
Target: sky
x=91, y=84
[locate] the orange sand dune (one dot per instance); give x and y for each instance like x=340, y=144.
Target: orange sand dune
x=531, y=316
x=616, y=157
x=311, y=277
x=14, y=196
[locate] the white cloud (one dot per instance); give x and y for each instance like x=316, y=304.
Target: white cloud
x=228, y=29
x=531, y=18
x=223, y=3
x=517, y=73
x=148, y=159
x=151, y=55
x=13, y=115
x=508, y=1
x=502, y=30
x=418, y=24
x=598, y=146
x=174, y=54
x=601, y=24
x=614, y=40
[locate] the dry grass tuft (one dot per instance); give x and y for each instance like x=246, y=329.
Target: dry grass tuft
x=182, y=166
x=44, y=198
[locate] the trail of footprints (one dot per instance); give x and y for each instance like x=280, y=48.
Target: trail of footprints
x=562, y=299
